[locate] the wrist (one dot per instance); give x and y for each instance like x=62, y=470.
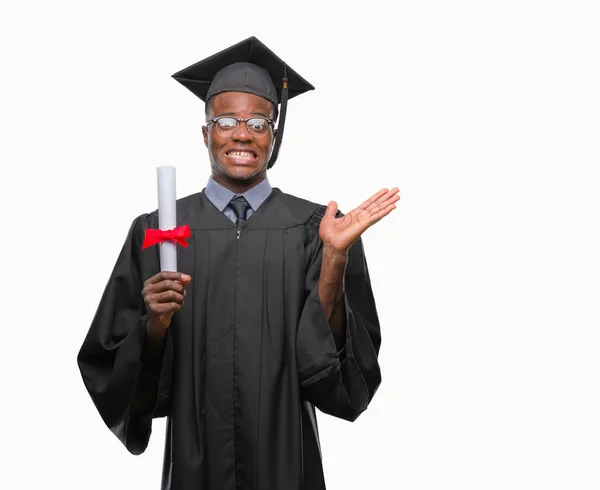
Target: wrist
x=155, y=333
x=334, y=254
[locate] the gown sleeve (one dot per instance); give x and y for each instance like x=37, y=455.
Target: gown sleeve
x=320, y=364
x=125, y=391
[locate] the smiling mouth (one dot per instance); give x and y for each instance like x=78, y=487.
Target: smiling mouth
x=242, y=155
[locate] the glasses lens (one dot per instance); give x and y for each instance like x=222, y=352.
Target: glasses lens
x=226, y=126
x=258, y=126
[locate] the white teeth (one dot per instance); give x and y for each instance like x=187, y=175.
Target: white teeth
x=241, y=154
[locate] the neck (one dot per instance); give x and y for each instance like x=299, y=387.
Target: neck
x=238, y=186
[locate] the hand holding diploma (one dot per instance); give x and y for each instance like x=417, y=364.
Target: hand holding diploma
x=163, y=294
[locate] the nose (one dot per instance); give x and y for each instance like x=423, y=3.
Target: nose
x=242, y=133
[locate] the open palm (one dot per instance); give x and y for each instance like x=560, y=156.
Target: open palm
x=340, y=233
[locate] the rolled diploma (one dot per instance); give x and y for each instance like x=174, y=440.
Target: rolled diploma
x=167, y=216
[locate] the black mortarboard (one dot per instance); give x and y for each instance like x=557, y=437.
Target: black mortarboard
x=248, y=66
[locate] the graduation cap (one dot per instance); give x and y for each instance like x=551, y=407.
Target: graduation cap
x=248, y=66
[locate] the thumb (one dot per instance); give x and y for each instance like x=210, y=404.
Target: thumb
x=331, y=210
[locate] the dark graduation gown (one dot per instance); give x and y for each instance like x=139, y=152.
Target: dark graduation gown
x=246, y=359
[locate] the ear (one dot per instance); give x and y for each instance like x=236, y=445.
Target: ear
x=205, y=135
x=274, y=138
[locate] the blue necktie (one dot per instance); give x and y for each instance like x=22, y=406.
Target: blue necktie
x=240, y=207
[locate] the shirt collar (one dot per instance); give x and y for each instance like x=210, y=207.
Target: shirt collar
x=220, y=196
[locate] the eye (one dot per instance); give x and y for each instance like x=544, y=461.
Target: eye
x=258, y=125
x=227, y=123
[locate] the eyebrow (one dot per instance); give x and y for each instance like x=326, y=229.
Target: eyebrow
x=233, y=114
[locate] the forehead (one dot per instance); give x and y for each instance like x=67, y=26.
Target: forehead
x=240, y=103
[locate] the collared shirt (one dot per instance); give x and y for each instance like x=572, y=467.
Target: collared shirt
x=221, y=196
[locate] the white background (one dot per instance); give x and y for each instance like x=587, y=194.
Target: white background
x=485, y=114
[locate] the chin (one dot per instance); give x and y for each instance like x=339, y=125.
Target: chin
x=243, y=172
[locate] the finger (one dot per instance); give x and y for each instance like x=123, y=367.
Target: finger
x=373, y=198
x=185, y=279
x=375, y=217
x=389, y=200
x=167, y=275
x=165, y=285
x=165, y=308
x=164, y=297
x=331, y=210
x=384, y=201
x=388, y=195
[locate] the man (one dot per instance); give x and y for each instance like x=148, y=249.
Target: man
x=270, y=315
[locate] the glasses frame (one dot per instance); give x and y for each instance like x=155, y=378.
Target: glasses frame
x=214, y=120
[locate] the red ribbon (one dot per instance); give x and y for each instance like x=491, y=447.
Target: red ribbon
x=177, y=235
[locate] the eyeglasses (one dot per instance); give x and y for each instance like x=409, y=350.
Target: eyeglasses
x=228, y=125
